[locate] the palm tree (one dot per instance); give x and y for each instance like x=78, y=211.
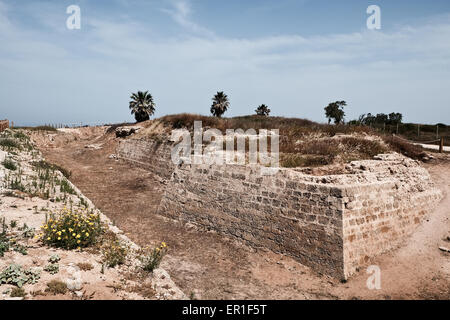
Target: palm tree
x=142, y=105
x=262, y=110
x=220, y=104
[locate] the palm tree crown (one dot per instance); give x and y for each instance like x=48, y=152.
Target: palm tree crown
x=142, y=105
x=220, y=104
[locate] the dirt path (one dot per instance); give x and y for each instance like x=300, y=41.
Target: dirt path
x=209, y=266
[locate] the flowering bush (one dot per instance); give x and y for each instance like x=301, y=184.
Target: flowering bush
x=114, y=253
x=71, y=229
x=151, y=260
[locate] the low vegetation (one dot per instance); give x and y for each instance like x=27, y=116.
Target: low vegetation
x=52, y=268
x=85, y=266
x=152, y=258
x=303, y=143
x=44, y=165
x=37, y=128
x=8, y=242
x=18, y=293
x=9, y=144
x=71, y=229
x=114, y=252
x=56, y=287
x=404, y=147
x=9, y=164
x=16, y=275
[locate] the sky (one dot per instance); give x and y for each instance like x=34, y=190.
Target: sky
x=295, y=56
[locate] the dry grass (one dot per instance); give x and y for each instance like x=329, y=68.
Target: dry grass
x=401, y=146
x=305, y=143
x=56, y=287
x=84, y=266
x=145, y=290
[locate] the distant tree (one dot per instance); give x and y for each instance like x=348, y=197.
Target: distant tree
x=381, y=118
x=262, y=110
x=335, y=111
x=142, y=105
x=369, y=119
x=395, y=118
x=358, y=122
x=220, y=104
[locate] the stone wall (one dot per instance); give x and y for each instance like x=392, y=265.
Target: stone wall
x=380, y=214
x=333, y=224
x=148, y=154
x=277, y=212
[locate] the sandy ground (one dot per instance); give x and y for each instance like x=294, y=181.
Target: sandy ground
x=206, y=265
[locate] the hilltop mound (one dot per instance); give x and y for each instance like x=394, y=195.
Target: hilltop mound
x=303, y=143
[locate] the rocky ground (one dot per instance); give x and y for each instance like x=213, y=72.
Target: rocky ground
x=206, y=265
x=30, y=191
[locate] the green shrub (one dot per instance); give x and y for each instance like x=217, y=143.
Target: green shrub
x=20, y=135
x=9, y=143
x=44, y=165
x=9, y=164
x=54, y=258
x=65, y=187
x=16, y=275
x=151, y=260
x=114, y=253
x=13, y=224
x=52, y=268
x=21, y=249
x=71, y=229
x=27, y=232
x=4, y=244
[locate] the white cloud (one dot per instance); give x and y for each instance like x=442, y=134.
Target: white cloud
x=5, y=24
x=181, y=13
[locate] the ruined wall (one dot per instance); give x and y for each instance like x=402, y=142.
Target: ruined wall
x=148, y=154
x=333, y=224
x=303, y=220
x=378, y=215
x=4, y=124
